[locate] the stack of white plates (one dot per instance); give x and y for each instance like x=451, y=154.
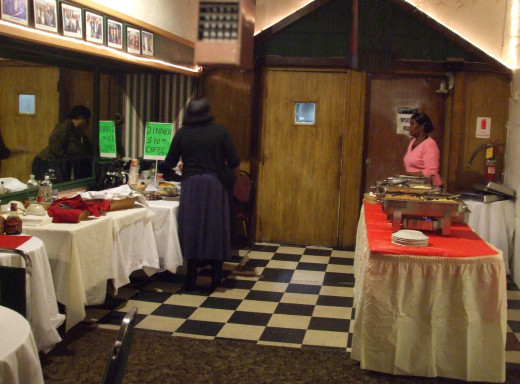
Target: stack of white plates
x=410, y=238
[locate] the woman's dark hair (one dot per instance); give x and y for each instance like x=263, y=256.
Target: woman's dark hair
x=78, y=112
x=423, y=119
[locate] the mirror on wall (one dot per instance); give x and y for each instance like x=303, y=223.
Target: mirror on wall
x=50, y=92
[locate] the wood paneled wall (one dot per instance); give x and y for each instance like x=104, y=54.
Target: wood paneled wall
x=230, y=94
x=26, y=135
x=476, y=95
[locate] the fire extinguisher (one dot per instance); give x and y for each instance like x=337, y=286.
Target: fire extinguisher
x=491, y=163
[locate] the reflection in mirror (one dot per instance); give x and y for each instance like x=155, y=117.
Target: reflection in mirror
x=55, y=91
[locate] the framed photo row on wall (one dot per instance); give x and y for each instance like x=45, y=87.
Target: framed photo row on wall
x=71, y=20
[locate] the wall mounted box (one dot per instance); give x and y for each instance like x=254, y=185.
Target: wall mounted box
x=225, y=30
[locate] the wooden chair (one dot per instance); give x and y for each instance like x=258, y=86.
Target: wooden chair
x=15, y=284
x=116, y=365
x=242, y=205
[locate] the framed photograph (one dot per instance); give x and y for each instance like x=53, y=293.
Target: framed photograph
x=46, y=15
x=114, y=34
x=94, y=27
x=72, y=20
x=147, y=43
x=133, y=40
x=15, y=11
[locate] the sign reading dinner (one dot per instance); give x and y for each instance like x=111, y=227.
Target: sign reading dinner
x=157, y=139
x=107, y=139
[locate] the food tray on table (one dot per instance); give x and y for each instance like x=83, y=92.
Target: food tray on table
x=167, y=189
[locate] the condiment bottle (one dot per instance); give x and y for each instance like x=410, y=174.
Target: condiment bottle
x=2, y=225
x=45, y=191
x=13, y=223
x=32, y=183
x=133, y=177
x=2, y=188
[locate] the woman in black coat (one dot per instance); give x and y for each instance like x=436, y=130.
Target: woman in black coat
x=207, y=152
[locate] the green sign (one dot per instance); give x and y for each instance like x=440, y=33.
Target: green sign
x=157, y=139
x=107, y=139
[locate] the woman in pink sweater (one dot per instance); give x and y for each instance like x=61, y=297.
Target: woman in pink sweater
x=422, y=157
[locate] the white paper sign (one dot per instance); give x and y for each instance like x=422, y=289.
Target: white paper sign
x=483, y=128
x=403, y=123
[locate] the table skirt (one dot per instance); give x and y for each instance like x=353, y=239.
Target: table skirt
x=429, y=316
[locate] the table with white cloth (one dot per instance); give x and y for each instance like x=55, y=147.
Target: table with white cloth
x=166, y=235
x=45, y=317
x=134, y=247
x=19, y=361
x=495, y=223
x=80, y=256
x=439, y=310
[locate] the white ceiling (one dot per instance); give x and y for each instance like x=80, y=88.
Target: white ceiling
x=484, y=23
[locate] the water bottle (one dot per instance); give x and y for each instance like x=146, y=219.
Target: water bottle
x=133, y=177
x=45, y=191
x=32, y=183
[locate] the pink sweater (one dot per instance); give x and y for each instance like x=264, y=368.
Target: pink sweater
x=424, y=158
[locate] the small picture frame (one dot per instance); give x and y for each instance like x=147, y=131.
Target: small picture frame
x=72, y=20
x=133, y=40
x=114, y=34
x=147, y=43
x=46, y=15
x=94, y=27
x=15, y=11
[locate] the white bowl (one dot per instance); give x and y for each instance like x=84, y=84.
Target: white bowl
x=35, y=209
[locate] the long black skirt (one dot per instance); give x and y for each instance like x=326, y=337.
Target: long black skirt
x=204, y=229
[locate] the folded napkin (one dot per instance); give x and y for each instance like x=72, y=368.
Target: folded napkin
x=74, y=209
x=13, y=241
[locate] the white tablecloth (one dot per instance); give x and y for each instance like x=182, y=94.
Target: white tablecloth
x=45, y=317
x=19, y=361
x=494, y=223
x=134, y=245
x=80, y=256
x=166, y=236
x=429, y=316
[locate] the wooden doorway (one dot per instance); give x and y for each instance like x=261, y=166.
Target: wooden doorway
x=384, y=148
x=300, y=165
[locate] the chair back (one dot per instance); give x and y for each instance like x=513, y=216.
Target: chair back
x=116, y=365
x=15, y=284
x=242, y=205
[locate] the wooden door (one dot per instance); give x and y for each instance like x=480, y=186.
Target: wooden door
x=299, y=174
x=26, y=135
x=384, y=148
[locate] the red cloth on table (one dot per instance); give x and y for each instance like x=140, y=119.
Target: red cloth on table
x=69, y=209
x=12, y=242
x=462, y=241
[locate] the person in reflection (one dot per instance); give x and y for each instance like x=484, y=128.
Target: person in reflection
x=207, y=150
x=68, y=147
x=423, y=156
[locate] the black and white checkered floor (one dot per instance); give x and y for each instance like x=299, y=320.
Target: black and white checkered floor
x=295, y=296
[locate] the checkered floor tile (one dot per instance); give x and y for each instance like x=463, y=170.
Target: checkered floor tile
x=296, y=296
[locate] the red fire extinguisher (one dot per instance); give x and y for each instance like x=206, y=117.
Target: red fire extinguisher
x=491, y=163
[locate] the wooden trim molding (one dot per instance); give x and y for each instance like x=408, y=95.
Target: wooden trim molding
x=139, y=23
x=50, y=39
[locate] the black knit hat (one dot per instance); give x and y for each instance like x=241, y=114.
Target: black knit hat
x=197, y=112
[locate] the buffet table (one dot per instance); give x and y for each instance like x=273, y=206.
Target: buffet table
x=45, y=317
x=495, y=223
x=439, y=310
x=19, y=361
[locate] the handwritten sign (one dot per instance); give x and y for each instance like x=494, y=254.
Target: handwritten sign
x=107, y=139
x=157, y=139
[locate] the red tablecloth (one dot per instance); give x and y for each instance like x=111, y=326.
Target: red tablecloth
x=12, y=242
x=462, y=241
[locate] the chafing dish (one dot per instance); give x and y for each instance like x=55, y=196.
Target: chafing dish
x=426, y=212
x=404, y=184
